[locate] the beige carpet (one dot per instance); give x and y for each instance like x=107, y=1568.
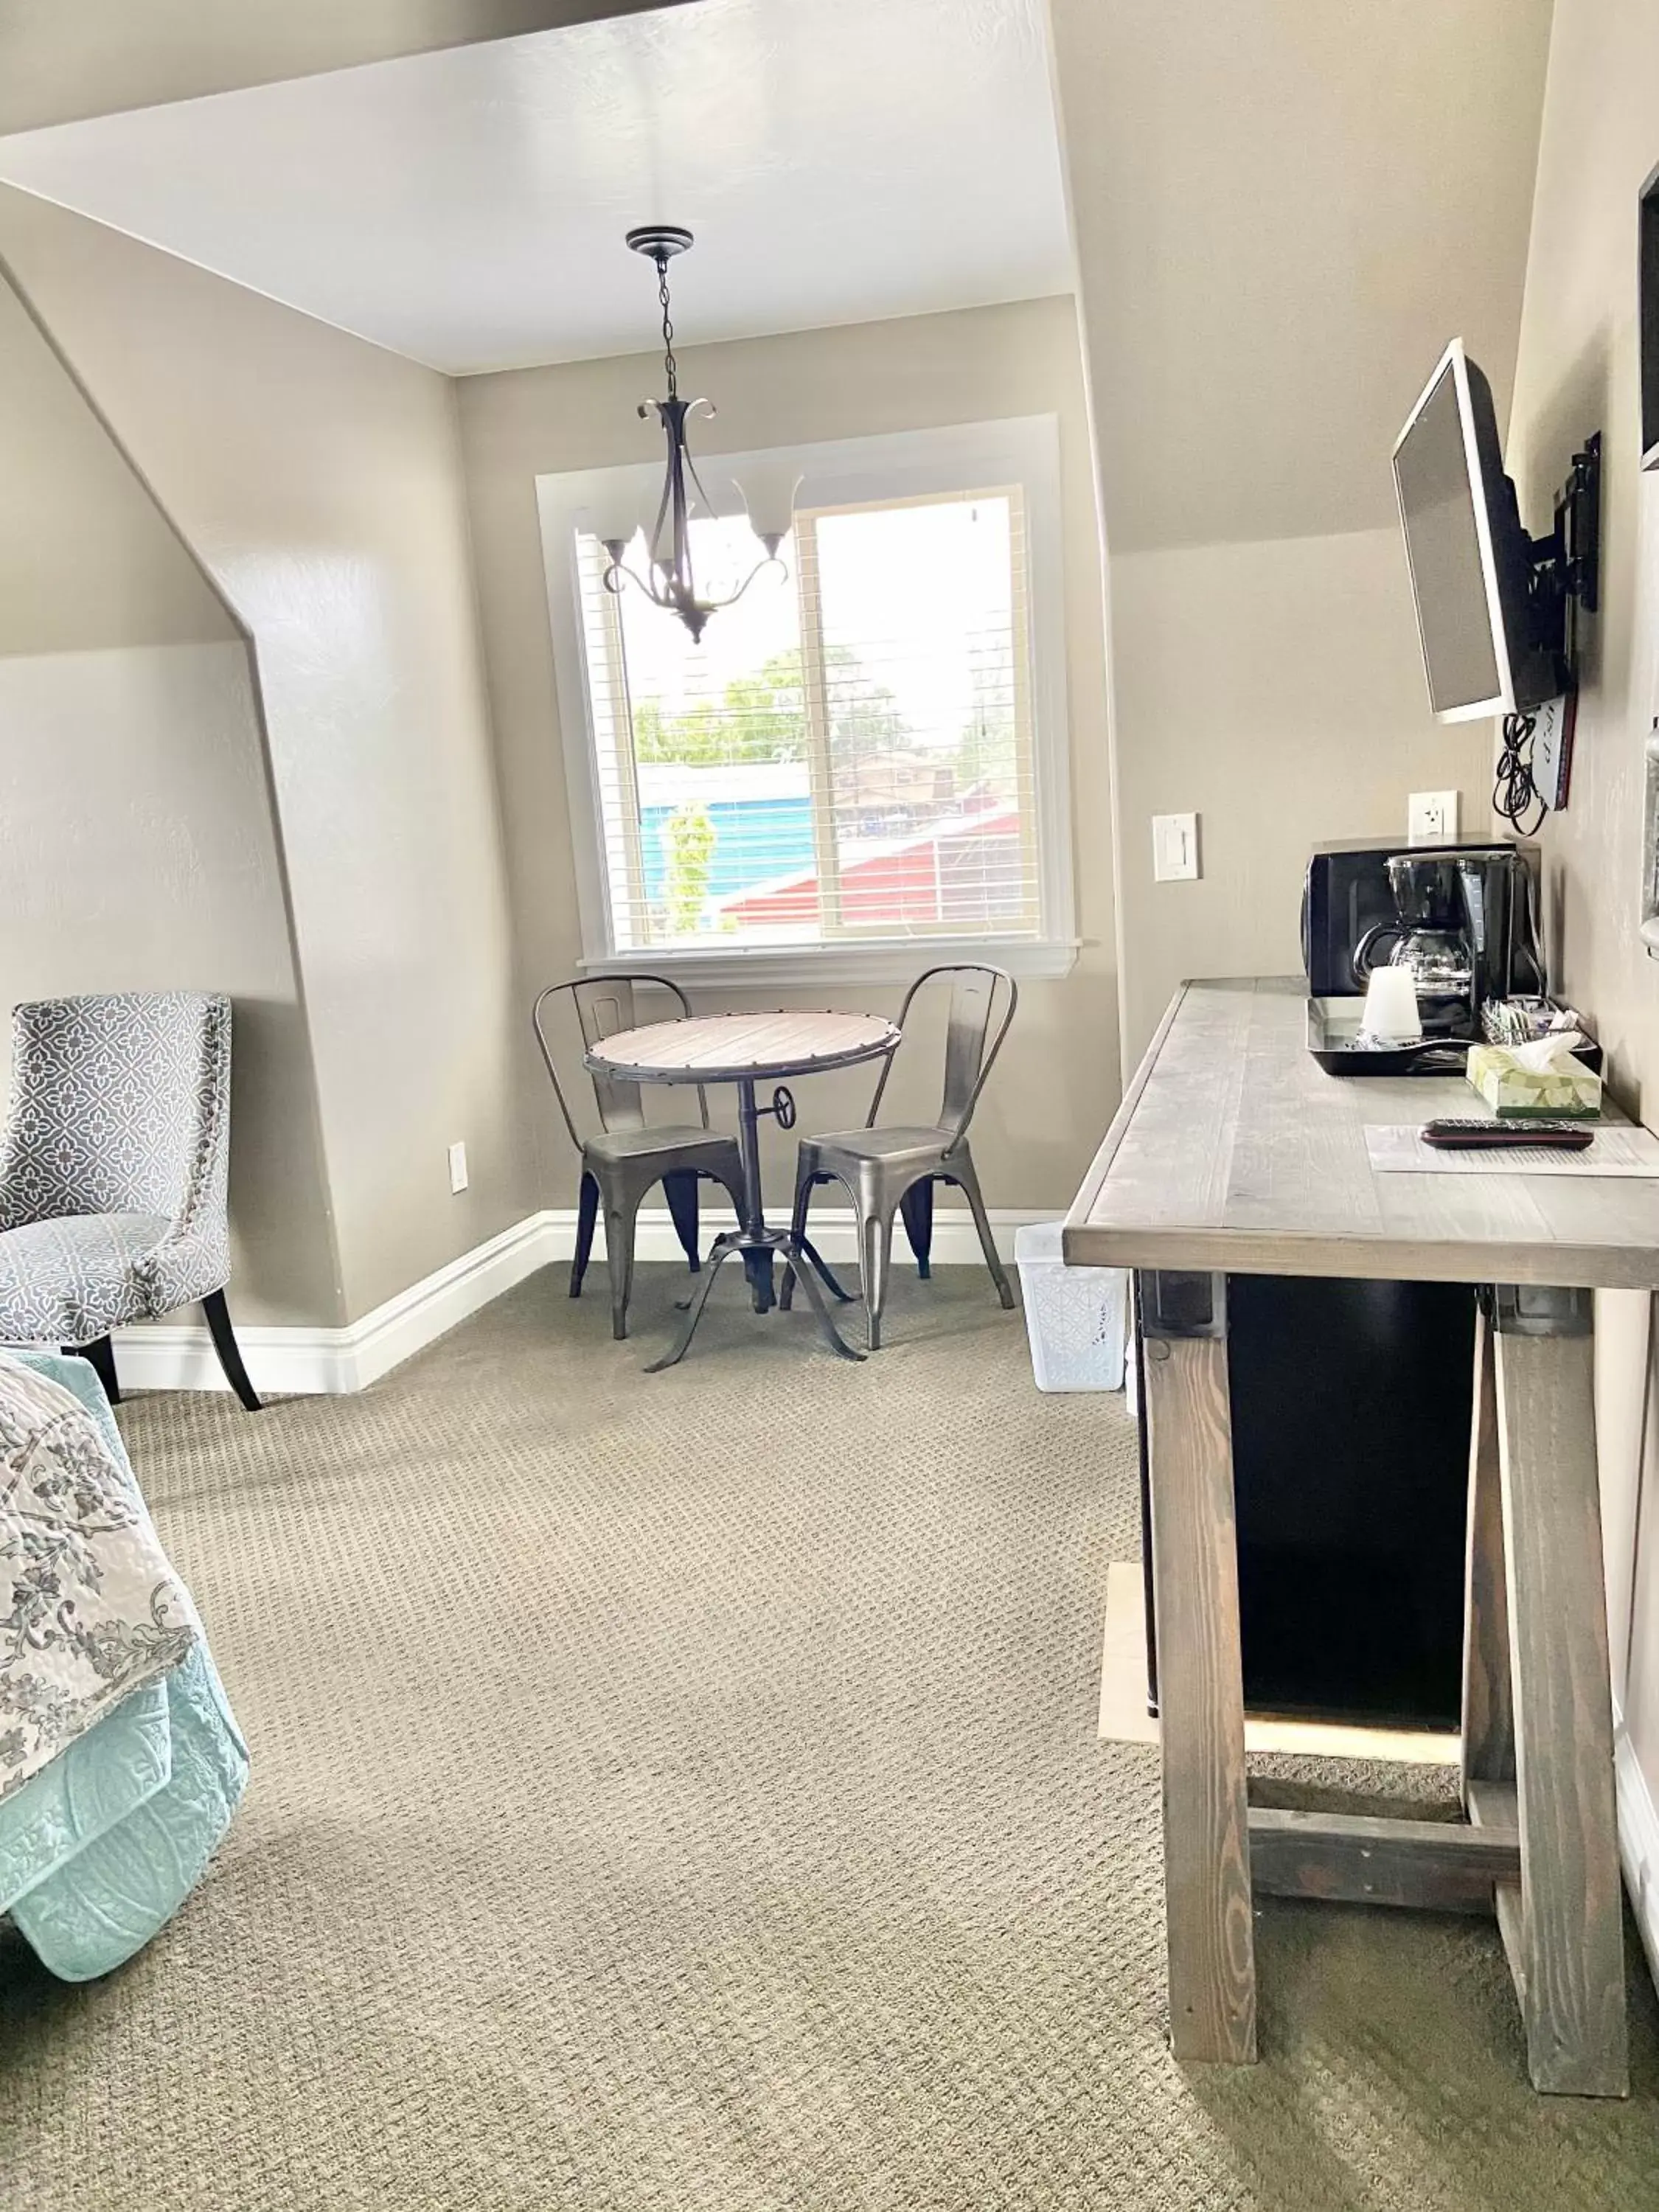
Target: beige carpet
x=684, y=1793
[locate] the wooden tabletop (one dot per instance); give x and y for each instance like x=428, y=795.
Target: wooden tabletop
x=731, y=1048
x=1233, y=1150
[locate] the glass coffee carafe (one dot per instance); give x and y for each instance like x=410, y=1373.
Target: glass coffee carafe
x=1430, y=938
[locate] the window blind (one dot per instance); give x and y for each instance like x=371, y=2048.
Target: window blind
x=848, y=753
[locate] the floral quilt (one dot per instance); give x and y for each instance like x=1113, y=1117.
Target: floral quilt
x=89, y=1608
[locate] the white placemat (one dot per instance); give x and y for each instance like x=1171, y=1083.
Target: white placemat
x=1620, y=1150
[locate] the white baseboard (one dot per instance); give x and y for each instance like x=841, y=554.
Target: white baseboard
x=1639, y=1840
x=169, y=1356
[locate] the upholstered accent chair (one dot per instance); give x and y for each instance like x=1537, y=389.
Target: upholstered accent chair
x=113, y=1172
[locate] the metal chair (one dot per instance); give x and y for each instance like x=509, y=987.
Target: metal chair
x=888, y=1170
x=628, y=1155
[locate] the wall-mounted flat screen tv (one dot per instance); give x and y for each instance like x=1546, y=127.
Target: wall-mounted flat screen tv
x=1470, y=559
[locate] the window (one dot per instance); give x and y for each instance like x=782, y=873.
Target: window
x=857, y=760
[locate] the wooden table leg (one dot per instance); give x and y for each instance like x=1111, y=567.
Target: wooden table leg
x=1571, y=1972
x=1488, y=1733
x=1206, y=1867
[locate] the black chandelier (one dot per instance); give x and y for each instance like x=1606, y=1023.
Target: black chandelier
x=670, y=581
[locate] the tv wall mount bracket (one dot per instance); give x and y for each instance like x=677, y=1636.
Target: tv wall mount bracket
x=1566, y=565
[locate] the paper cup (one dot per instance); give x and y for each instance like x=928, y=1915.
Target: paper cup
x=1391, y=1006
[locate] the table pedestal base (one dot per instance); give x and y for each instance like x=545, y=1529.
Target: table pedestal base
x=759, y=1247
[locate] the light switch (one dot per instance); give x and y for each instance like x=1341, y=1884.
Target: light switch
x=1174, y=848
x=457, y=1168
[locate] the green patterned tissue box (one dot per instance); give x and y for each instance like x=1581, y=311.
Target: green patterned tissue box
x=1572, y=1093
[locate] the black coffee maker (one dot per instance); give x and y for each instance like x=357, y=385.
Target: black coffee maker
x=1465, y=929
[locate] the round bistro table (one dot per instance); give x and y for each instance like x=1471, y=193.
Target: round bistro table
x=746, y=1050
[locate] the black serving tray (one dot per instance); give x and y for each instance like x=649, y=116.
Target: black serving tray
x=1334, y=1026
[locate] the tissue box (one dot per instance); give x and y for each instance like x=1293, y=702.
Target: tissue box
x=1559, y=1093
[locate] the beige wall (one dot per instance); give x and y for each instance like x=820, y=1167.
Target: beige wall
x=1282, y=210
x=137, y=850
x=317, y=480
x=1578, y=372
x=1057, y=1085
x=1277, y=688
x=86, y=561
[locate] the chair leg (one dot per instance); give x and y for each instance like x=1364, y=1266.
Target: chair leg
x=917, y=1207
x=587, y=1212
x=230, y=1357
x=963, y=1175
x=680, y=1190
x=805, y=1186
x=875, y=1251
x=619, y=1254
x=99, y=1355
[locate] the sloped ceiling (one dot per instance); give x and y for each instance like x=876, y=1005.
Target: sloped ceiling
x=61, y=63
x=87, y=560
x=1284, y=209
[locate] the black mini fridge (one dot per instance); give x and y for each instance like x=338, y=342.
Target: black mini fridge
x=1351, y=1406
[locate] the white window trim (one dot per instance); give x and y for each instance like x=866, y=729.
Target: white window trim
x=963, y=457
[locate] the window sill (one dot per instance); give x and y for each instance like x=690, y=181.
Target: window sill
x=821, y=967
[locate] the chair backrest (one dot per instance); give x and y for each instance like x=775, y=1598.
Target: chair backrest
x=603, y=1004
x=119, y=1104
x=974, y=1029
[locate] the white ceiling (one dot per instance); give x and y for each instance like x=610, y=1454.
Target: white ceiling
x=839, y=160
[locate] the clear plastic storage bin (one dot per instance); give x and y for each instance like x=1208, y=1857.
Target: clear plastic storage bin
x=1075, y=1317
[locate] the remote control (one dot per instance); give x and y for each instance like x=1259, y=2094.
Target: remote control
x=1476, y=1136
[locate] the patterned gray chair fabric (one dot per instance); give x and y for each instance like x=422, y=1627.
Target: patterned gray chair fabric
x=114, y=1167
x=74, y=1280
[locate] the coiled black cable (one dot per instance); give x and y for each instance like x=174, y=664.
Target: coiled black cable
x=1515, y=795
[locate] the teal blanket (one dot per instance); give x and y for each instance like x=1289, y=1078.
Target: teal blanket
x=101, y=1848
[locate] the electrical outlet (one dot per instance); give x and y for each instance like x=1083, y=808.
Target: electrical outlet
x=1431, y=817
x=457, y=1167
x=1174, y=848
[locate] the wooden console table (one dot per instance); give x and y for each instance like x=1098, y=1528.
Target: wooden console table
x=1234, y=1153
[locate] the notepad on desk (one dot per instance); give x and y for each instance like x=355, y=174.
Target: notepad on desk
x=1621, y=1149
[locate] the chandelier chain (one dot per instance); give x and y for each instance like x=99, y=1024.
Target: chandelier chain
x=669, y=362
